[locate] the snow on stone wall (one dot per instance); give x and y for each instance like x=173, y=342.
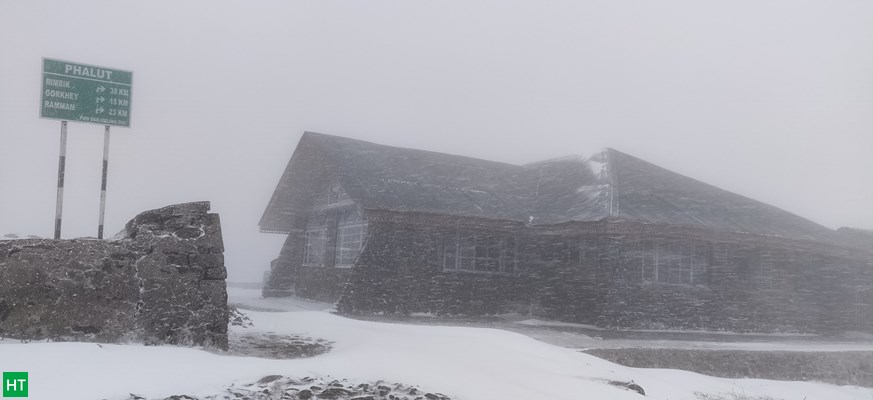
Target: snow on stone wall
x=159, y=281
x=750, y=284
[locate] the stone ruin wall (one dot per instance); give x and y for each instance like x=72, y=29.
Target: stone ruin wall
x=161, y=280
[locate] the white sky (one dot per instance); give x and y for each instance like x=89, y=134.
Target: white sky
x=769, y=99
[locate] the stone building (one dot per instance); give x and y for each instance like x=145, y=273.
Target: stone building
x=609, y=240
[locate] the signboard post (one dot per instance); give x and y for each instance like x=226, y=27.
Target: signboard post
x=84, y=93
x=62, y=163
x=103, y=182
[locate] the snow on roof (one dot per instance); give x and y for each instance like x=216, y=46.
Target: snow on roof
x=606, y=185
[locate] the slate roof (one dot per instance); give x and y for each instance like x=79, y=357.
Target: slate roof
x=609, y=185
x=398, y=179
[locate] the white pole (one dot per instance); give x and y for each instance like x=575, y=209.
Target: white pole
x=62, y=159
x=103, y=184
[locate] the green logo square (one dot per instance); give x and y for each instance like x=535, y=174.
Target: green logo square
x=15, y=384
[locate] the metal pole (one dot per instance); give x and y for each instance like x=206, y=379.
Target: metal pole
x=103, y=184
x=62, y=159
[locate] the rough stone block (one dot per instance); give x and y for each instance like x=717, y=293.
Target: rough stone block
x=150, y=283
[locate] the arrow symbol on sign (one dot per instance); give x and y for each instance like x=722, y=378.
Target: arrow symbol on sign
x=100, y=89
x=100, y=99
x=99, y=110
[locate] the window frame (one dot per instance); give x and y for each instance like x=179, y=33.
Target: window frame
x=316, y=227
x=674, y=262
x=461, y=251
x=344, y=223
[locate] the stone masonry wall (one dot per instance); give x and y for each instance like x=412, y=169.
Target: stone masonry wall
x=396, y=274
x=596, y=276
x=159, y=281
x=751, y=286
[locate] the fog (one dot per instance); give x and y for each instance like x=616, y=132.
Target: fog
x=772, y=100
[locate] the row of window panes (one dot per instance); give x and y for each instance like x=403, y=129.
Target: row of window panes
x=313, y=250
x=677, y=262
x=349, y=240
x=684, y=263
x=589, y=257
x=477, y=253
x=351, y=231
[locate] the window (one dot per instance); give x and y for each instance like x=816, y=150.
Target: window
x=333, y=236
x=475, y=252
x=315, y=240
x=336, y=194
x=752, y=266
x=332, y=195
x=350, y=233
x=674, y=262
x=589, y=258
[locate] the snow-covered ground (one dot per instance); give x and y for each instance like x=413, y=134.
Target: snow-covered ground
x=250, y=299
x=550, y=332
x=580, y=336
x=462, y=362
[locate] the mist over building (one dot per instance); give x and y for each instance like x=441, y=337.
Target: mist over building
x=607, y=239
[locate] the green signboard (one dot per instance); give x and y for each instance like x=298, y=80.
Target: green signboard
x=85, y=93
